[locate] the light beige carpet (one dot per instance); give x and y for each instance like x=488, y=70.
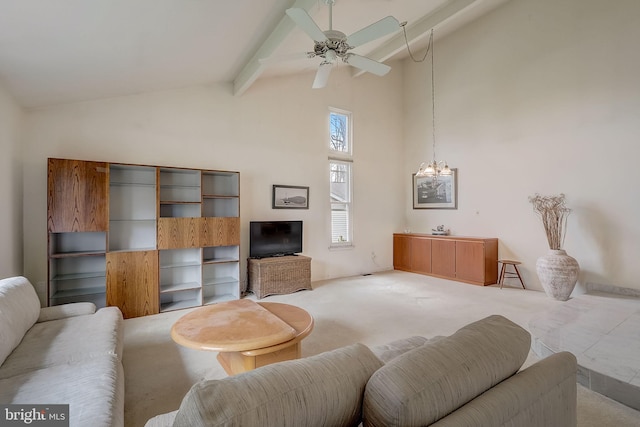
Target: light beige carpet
x=371, y=309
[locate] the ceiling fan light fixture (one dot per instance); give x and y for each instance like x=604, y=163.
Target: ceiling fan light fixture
x=332, y=44
x=330, y=56
x=322, y=75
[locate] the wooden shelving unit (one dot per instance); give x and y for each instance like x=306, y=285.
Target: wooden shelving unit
x=77, y=224
x=144, y=238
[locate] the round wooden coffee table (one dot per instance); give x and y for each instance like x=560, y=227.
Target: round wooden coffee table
x=246, y=334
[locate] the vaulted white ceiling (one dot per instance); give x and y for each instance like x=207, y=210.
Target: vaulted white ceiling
x=58, y=51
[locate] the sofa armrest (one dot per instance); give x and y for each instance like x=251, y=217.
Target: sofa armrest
x=163, y=420
x=544, y=394
x=66, y=310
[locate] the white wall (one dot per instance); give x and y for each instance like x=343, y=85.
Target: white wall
x=538, y=96
x=276, y=133
x=10, y=186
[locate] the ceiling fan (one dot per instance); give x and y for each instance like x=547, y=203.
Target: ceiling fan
x=331, y=45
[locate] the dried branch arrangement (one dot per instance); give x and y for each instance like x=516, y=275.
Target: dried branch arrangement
x=554, y=213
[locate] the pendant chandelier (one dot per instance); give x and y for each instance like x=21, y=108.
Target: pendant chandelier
x=434, y=168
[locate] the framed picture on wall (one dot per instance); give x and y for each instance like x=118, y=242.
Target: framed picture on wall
x=430, y=193
x=290, y=197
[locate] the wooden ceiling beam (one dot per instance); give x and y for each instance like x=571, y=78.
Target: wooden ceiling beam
x=253, y=68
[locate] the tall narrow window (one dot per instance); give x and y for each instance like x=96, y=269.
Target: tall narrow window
x=340, y=177
x=340, y=189
x=340, y=131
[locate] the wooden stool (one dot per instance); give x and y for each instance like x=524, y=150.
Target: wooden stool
x=509, y=274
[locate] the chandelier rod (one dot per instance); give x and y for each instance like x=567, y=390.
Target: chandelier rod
x=434, y=168
x=433, y=97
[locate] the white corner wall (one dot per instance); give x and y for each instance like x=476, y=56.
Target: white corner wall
x=276, y=133
x=538, y=96
x=10, y=186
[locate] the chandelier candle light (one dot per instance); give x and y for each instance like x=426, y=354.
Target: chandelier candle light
x=433, y=168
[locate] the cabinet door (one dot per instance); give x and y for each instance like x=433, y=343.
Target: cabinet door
x=402, y=253
x=421, y=255
x=220, y=232
x=132, y=282
x=470, y=261
x=77, y=197
x=179, y=233
x=443, y=258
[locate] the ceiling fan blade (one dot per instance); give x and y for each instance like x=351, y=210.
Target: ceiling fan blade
x=374, y=31
x=287, y=57
x=322, y=76
x=306, y=24
x=366, y=64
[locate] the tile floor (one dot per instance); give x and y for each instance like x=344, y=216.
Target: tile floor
x=603, y=331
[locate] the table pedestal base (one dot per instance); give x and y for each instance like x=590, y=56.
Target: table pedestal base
x=236, y=362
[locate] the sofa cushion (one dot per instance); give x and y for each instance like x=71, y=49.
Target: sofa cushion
x=19, y=310
x=67, y=340
x=541, y=395
x=93, y=389
x=425, y=384
x=324, y=390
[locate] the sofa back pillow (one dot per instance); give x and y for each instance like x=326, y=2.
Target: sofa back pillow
x=19, y=310
x=322, y=390
x=425, y=384
x=386, y=352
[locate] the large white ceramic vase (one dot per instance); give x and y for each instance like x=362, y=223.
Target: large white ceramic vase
x=558, y=273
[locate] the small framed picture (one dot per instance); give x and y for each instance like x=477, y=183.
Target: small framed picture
x=440, y=193
x=290, y=197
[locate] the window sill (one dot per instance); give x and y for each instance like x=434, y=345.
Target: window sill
x=339, y=247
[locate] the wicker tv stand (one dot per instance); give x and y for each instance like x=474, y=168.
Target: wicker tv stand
x=279, y=275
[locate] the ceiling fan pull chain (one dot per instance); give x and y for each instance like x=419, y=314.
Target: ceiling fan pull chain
x=406, y=42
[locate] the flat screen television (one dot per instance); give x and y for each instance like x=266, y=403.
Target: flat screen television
x=274, y=238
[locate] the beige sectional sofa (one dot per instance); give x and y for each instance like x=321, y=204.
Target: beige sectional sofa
x=68, y=354
x=471, y=378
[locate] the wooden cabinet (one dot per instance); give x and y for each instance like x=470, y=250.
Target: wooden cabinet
x=77, y=193
x=132, y=282
x=471, y=262
x=412, y=253
x=467, y=259
x=402, y=252
x=176, y=233
x=220, y=231
x=143, y=238
x=198, y=232
x=421, y=255
x=443, y=258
